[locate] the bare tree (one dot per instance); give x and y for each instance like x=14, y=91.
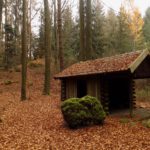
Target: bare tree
x=82, y=30
x=55, y=36
x=24, y=51
x=1, y=11
x=61, y=57
x=47, y=47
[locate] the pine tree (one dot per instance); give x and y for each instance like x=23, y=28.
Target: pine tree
x=98, y=29
x=68, y=36
x=124, y=33
x=111, y=29
x=146, y=28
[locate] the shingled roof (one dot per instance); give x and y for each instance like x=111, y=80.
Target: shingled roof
x=123, y=62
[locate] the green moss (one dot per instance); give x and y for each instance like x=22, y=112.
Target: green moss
x=81, y=112
x=8, y=82
x=124, y=120
x=146, y=123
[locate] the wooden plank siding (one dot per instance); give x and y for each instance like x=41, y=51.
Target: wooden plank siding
x=93, y=87
x=71, y=88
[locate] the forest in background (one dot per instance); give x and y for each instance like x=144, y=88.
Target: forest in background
x=64, y=33
x=107, y=33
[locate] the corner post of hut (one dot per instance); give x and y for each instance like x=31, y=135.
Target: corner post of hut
x=132, y=96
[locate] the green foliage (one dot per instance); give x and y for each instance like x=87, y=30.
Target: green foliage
x=146, y=123
x=111, y=33
x=84, y=111
x=98, y=29
x=125, y=41
x=146, y=27
x=69, y=37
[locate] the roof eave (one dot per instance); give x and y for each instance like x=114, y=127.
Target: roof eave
x=138, y=61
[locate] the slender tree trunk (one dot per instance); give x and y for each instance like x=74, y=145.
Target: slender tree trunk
x=30, y=32
x=6, y=23
x=1, y=11
x=47, y=47
x=82, y=30
x=61, y=57
x=24, y=51
x=56, y=37
x=88, y=30
x=16, y=26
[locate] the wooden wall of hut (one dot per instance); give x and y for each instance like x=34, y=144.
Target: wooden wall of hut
x=93, y=87
x=71, y=88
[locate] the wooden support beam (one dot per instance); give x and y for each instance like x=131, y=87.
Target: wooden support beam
x=63, y=90
x=139, y=60
x=132, y=96
x=105, y=96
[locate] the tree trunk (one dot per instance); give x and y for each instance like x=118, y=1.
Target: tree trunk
x=47, y=47
x=88, y=30
x=1, y=8
x=61, y=57
x=6, y=23
x=24, y=51
x=1, y=11
x=55, y=37
x=82, y=31
x=30, y=31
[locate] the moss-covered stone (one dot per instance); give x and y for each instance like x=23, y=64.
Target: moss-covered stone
x=84, y=111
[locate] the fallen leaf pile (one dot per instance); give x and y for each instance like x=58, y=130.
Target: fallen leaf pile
x=115, y=63
x=38, y=124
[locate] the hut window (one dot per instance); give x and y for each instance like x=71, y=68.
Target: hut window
x=81, y=88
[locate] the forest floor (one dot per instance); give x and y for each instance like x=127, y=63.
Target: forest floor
x=38, y=124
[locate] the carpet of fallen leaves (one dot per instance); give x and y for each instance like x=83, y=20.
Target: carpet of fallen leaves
x=38, y=124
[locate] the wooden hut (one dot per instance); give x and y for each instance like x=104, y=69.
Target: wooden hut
x=110, y=79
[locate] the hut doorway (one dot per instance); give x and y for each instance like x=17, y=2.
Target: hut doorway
x=81, y=88
x=118, y=94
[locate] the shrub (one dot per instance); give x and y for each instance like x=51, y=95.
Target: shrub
x=81, y=112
